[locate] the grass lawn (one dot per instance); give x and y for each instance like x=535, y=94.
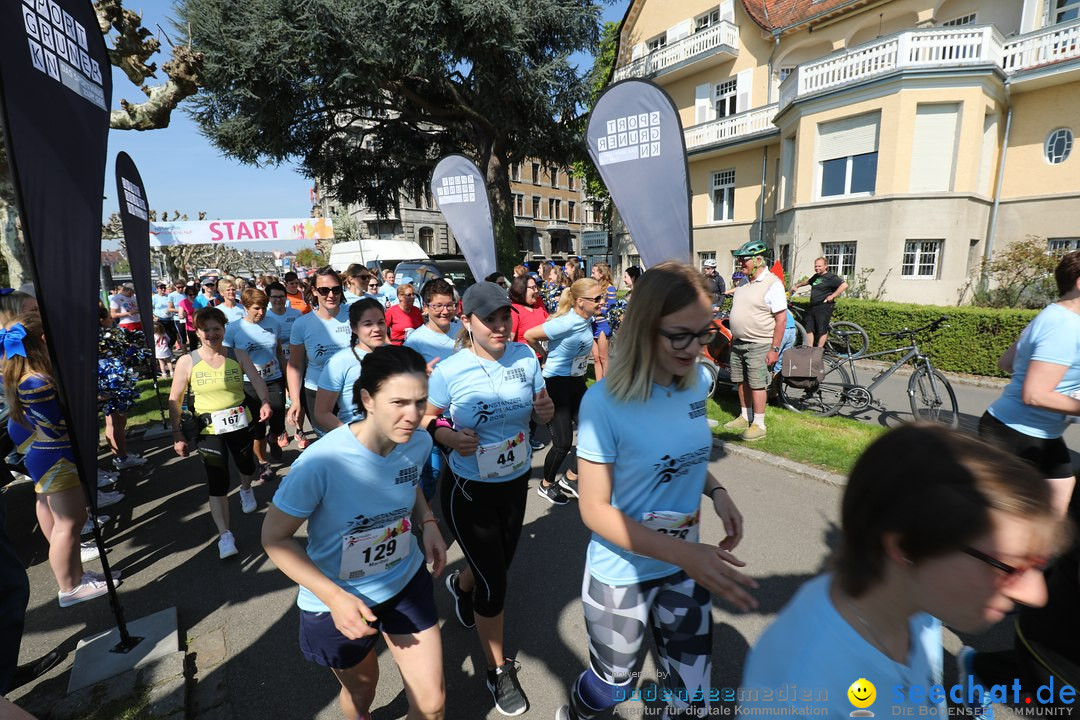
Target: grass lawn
x=829, y=443
x=145, y=411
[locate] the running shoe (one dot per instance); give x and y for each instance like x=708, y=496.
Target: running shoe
x=100, y=577
x=739, y=423
x=504, y=687
x=105, y=499
x=753, y=433
x=302, y=442
x=283, y=440
x=267, y=473
x=247, y=500
x=132, y=460
x=275, y=447
x=226, y=545
x=552, y=494
x=105, y=478
x=33, y=670
x=463, y=608
x=538, y=445
x=88, y=551
x=88, y=590
x=982, y=708
x=567, y=485
x=88, y=526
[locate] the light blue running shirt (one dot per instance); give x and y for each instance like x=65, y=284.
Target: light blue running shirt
x=340, y=375
x=660, y=453
x=495, y=400
x=161, y=307
x=321, y=339
x=432, y=344
x=284, y=323
x=260, y=342
x=570, y=341
x=1052, y=337
x=234, y=313
x=358, y=507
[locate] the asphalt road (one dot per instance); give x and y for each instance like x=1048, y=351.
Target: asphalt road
x=161, y=540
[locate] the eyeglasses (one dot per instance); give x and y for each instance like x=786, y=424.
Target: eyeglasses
x=440, y=307
x=681, y=340
x=1012, y=573
x=277, y=297
x=325, y=290
x=532, y=287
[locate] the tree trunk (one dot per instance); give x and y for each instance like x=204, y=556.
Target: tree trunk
x=494, y=166
x=12, y=245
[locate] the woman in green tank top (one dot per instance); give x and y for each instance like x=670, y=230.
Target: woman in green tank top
x=215, y=376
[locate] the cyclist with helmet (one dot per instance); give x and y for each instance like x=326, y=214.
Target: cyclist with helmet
x=758, y=315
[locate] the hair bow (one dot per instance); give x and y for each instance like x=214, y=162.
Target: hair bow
x=13, y=340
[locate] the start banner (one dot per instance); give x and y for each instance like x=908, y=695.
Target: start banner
x=212, y=232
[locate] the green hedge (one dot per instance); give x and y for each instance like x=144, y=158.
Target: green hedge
x=971, y=343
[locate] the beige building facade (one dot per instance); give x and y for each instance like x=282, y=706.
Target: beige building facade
x=904, y=140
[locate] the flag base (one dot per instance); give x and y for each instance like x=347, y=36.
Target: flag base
x=102, y=656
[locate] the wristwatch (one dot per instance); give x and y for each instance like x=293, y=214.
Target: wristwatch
x=776, y=348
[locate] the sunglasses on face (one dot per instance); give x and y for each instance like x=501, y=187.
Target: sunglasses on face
x=596, y=299
x=406, y=296
x=681, y=340
x=1012, y=573
x=373, y=285
x=326, y=290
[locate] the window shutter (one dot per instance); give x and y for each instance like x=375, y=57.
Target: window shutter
x=703, y=103
x=678, y=32
x=933, y=152
x=637, y=51
x=743, y=81
x=727, y=11
x=850, y=136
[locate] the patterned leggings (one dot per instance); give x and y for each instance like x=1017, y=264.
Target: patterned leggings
x=679, y=613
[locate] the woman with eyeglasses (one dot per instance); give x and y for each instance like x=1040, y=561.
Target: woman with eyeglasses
x=403, y=318
x=314, y=339
x=334, y=401
x=648, y=569
x=936, y=528
x=570, y=339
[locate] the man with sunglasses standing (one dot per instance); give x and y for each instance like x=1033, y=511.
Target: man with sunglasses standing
x=758, y=314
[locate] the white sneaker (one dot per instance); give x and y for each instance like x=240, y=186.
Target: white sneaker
x=106, y=478
x=132, y=460
x=88, y=551
x=88, y=590
x=105, y=499
x=90, y=575
x=226, y=545
x=89, y=528
x=247, y=500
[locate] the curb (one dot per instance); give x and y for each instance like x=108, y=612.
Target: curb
x=781, y=462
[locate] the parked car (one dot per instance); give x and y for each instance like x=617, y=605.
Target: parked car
x=452, y=268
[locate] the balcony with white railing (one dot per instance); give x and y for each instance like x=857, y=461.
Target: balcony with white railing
x=711, y=46
x=1041, y=48
x=731, y=128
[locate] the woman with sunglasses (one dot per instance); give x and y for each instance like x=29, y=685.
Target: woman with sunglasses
x=647, y=568
x=601, y=273
x=368, y=321
x=491, y=388
x=314, y=339
x=404, y=317
x=936, y=528
x=569, y=333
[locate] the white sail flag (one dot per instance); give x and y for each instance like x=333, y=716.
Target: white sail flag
x=461, y=193
x=636, y=141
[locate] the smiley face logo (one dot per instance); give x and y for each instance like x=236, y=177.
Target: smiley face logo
x=862, y=693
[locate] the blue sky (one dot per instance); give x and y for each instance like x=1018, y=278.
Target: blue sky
x=183, y=171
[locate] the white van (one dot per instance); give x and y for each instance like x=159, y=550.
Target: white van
x=388, y=253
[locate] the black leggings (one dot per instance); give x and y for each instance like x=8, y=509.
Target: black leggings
x=215, y=451
x=485, y=518
x=276, y=393
x=566, y=394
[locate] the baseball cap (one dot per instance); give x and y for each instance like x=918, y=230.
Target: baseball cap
x=128, y=286
x=709, y=263
x=483, y=299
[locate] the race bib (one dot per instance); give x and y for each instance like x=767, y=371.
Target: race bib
x=374, y=551
x=506, y=457
x=225, y=421
x=675, y=524
x=580, y=365
x=268, y=370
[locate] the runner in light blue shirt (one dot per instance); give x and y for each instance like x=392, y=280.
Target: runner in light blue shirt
x=368, y=320
x=283, y=316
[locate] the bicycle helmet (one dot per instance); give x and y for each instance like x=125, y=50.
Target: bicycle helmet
x=751, y=248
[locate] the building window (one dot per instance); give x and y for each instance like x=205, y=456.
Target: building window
x=569, y=181
x=570, y=211
x=921, y=259
x=515, y=172
x=785, y=71
x=1066, y=10
x=849, y=175
x=962, y=20
x=724, y=98
x=536, y=173
x=847, y=155
x=840, y=257
x=723, y=196
x=427, y=240
x=536, y=207
x=1058, y=145
x=657, y=42
x=706, y=21
x=554, y=177
x=519, y=204
x=703, y=256
x=634, y=261
x=1060, y=246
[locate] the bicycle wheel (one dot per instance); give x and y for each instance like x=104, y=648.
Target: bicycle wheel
x=933, y=398
x=800, y=334
x=846, y=339
x=713, y=372
x=824, y=398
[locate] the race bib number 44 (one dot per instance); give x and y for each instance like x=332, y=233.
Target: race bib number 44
x=503, y=458
x=374, y=551
x=675, y=524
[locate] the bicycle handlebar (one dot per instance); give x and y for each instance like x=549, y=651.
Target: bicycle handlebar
x=935, y=325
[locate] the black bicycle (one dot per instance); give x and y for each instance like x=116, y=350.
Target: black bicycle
x=931, y=396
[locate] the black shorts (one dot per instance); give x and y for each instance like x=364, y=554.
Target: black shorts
x=816, y=320
x=1050, y=456
x=410, y=611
